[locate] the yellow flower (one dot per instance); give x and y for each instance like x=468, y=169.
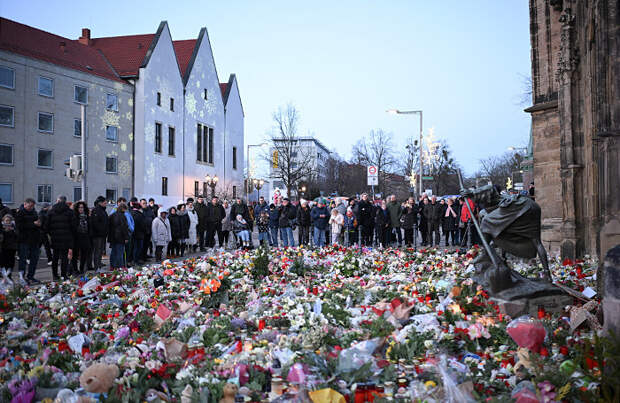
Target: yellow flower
x=430, y=384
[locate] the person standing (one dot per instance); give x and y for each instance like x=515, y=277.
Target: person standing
x=4, y=210
x=175, y=233
x=99, y=230
x=263, y=228
x=260, y=207
x=118, y=236
x=320, y=219
x=274, y=219
x=215, y=215
x=8, y=244
x=184, y=220
x=161, y=235
x=432, y=213
x=365, y=220
x=29, y=227
x=192, y=240
x=303, y=223
x=201, y=212
x=59, y=225
x=382, y=225
x=287, y=214
x=395, y=210
x=450, y=222
x=409, y=220
x=350, y=227
x=336, y=221
x=45, y=239
x=423, y=223
x=139, y=232
x=154, y=209
x=149, y=216
x=226, y=223
x=82, y=231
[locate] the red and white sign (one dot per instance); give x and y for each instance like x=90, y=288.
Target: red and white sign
x=372, y=171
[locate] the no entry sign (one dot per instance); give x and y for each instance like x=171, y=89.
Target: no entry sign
x=373, y=171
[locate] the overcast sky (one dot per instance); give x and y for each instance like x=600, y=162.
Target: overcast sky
x=343, y=63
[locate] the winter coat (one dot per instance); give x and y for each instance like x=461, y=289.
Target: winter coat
x=240, y=226
x=175, y=226
x=140, y=225
x=240, y=209
x=118, y=231
x=260, y=208
x=226, y=222
x=201, y=211
x=8, y=239
x=336, y=223
x=451, y=222
x=395, y=211
x=274, y=218
x=27, y=231
x=409, y=217
x=465, y=216
x=303, y=216
x=263, y=222
x=350, y=223
x=99, y=222
x=184, y=218
x=382, y=219
x=4, y=210
x=365, y=213
x=287, y=213
x=59, y=225
x=160, y=232
x=149, y=216
x=193, y=223
x=432, y=212
x=318, y=221
x=215, y=214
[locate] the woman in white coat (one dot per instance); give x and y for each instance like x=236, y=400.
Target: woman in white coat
x=161, y=235
x=193, y=224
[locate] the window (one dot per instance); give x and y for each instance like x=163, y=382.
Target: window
x=205, y=95
x=205, y=189
x=6, y=192
x=170, y=140
x=46, y=122
x=159, y=99
x=6, y=154
x=164, y=186
x=110, y=195
x=44, y=158
x=111, y=133
x=44, y=193
x=77, y=194
x=111, y=102
x=172, y=104
x=110, y=165
x=46, y=87
x=7, y=78
x=210, y=159
x=234, y=158
x=199, y=143
x=6, y=116
x=196, y=188
x=234, y=192
x=80, y=94
x=127, y=193
x=77, y=127
x=293, y=154
x=157, y=137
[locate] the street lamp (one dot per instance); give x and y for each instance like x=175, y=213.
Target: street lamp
x=258, y=184
x=247, y=163
x=212, y=183
x=302, y=190
x=399, y=112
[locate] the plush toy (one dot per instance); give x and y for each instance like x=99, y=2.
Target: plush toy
x=229, y=392
x=98, y=378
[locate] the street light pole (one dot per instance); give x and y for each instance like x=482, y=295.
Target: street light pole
x=399, y=112
x=83, y=144
x=248, y=185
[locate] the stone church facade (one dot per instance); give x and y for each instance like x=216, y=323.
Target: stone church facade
x=576, y=123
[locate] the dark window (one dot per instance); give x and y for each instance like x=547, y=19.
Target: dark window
x=111, y=133
x=234, y=192
x=6, y=154
x=199, y=143
x=46, y=87
x=110, y=165
x=77, y=127
x=44, y=193
x=112, y=102
x=205, y=95
x=210, y=161
x=46, y=122
x=205, y=144
x=6, y=116
x=159, y=99
x=7, y=77
x=6, y=192
x=77, y=194
x=234, y=158
x=157, y=137
x=172, y=104
x=164, y=186
x=196, y=188
x=110, y=195
x=44, y=159
x=80, y=94
x=171, y=141
x=205, y=189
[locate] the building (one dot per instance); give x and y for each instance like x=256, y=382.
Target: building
x=45, y=80
x=576, y=123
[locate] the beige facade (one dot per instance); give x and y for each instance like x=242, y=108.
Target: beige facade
x=33, y=172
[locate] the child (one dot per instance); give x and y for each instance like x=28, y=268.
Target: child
x=337, y=221
x=240, y=227
x=350, y=228
x=263, y=227
x=8, y=244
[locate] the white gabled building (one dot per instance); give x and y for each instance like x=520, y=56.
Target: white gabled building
x=234, y=139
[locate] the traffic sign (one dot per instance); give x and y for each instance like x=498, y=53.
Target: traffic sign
x=372, y=171
x=427, y=178
x=373, y=181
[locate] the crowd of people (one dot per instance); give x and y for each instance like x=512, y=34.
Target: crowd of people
x=75, y=236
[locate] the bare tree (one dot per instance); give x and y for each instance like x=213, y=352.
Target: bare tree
x=499, y=168
x=290, y=162
x=444, y=170
x=377, y=150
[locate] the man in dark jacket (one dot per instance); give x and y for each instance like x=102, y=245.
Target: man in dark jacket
x=201, y=212
x=409, y=221
x=118, y=236
x=395, y=211
x=432, y=213
x=287, y=214
x=45, y=239
x=28, y=226
x=99, y=229
x=59, y=225
x=149, y=216
x=303, y=223
x=422, y=226
x=365, y=219
x=260, y=207
x=320, y=218
x=215, y=215
x=139, y=232
x=274, y=219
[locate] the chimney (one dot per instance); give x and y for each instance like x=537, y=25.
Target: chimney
x=85, y=38
x=63, y=46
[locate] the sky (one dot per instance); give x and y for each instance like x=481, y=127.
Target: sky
x=342, y=64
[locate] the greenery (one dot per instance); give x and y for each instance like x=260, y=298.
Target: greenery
x=260, y=267
x=379, y=327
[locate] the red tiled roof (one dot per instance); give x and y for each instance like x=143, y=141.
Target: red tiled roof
x=184, y=50
x=223, y=87
x=37, y=44
x=125, y=53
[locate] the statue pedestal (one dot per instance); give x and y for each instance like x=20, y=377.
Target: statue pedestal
x=529, y=306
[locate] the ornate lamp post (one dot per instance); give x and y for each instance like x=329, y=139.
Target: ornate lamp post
x=212, y=183
x=258, y=185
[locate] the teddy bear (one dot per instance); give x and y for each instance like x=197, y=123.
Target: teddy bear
x=98, y=378
x=229, y=392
